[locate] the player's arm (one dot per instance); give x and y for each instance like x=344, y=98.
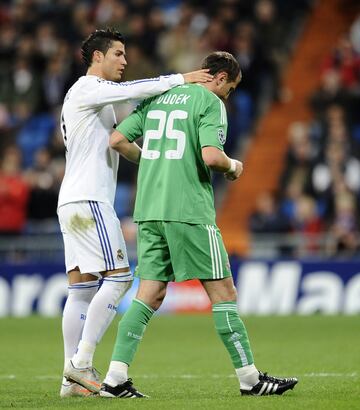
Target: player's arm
x=108, y=92
x=217, y=160
x=130, y=129
x=130, y=150
x=212, y=137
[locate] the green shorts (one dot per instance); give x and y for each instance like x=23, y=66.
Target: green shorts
x=176, y=251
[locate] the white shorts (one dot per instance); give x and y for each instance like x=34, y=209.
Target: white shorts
x=92, y=235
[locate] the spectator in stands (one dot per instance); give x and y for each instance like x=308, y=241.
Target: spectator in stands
x=251, y=60
x=54, y=82
x=141, y=64
x=338, y=165
x=266, y=218
x=299, y=159
x=45, y=186
x=291, y=193
x=180, y=49
x=330, y=92
x=344, y=237
x=23, y=85
x=271, y=38
x=308, y=225
x=14, y=193
x=346, y=61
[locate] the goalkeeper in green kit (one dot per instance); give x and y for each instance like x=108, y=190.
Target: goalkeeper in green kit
x=184, y=131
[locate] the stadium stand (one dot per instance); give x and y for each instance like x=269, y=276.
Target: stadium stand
x=40, y=59
x=303, y=158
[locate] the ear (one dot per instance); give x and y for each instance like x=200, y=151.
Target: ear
x=221, y=77
x=98, y=56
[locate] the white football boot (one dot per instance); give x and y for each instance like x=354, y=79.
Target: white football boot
x=86, y=376
x=72, y=389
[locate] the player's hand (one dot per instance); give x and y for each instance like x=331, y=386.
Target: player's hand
x=199, y=76
x=232, y=176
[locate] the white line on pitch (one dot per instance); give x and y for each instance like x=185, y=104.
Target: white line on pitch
x=353, y=374
x=186, y=376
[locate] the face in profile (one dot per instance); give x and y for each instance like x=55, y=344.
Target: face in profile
x=113, y=63
x=226, y=88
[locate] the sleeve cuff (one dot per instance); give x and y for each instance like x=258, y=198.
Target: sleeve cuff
x=177, y=79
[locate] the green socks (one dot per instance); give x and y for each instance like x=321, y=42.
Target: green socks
x=130, y=331
x=228, y=324
x=232, y=332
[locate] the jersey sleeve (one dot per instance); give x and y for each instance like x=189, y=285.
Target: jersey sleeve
x=108, y=92
x=213, y=125
x=132, y=126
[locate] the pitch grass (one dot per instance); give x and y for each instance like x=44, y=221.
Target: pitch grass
x=181, y=364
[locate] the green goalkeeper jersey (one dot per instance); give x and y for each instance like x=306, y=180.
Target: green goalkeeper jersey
x=174, y=183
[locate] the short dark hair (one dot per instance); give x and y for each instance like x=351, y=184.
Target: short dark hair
x=100, y=40
x=222, y=61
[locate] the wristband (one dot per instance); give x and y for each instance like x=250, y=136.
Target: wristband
x=232, y=168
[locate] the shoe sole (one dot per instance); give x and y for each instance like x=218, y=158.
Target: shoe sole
x=291, y=387
x=75, y=390
x=88, y=384
x=108, y=395
x=80, y=393
x=279, y=393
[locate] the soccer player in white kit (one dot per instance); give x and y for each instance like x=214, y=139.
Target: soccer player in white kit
x=93, y=241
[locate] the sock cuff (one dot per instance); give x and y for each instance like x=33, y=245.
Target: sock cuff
x=225, y=307
x=85, y=285
x=119, y=277
x=147, y=307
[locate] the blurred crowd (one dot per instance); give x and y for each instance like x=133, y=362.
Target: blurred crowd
x=319, y=190
x=40, y=59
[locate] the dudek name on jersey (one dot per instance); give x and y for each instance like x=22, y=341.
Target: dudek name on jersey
x=173, y=99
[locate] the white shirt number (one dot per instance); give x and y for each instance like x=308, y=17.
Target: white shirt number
x=167, y=125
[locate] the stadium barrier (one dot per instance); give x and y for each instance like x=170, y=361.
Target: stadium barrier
x=264, y=287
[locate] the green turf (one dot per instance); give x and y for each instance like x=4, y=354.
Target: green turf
x=181, y=364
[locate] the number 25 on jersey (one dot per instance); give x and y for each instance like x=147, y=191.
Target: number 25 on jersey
x=165, y=128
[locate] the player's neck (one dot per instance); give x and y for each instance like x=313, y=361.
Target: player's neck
x=94, y=70
x=211, y=86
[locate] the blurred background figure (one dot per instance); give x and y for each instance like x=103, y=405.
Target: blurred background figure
x=14, y=193
x=267, y=218
x=344, y=227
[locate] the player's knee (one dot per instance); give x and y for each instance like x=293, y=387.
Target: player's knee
x=232, y=293
x=153, y=300
x=128, y=285
x=152, y=293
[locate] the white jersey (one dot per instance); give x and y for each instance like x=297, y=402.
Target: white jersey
x=87, y=120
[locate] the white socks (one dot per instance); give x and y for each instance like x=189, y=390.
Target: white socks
x=74, y=315
x=117, y=373
x=248, y=376
x=101, y=312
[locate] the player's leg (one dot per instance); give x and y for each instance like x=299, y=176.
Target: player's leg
x=100, y=314
x=99, y=247
x=81, y=290
x=197, y=251
x=233, y=334
x=231, y=329
x=132, y=327
x=154, y=269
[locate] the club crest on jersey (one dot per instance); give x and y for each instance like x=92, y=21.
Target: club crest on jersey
x=221, y=136
x=120, y=255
